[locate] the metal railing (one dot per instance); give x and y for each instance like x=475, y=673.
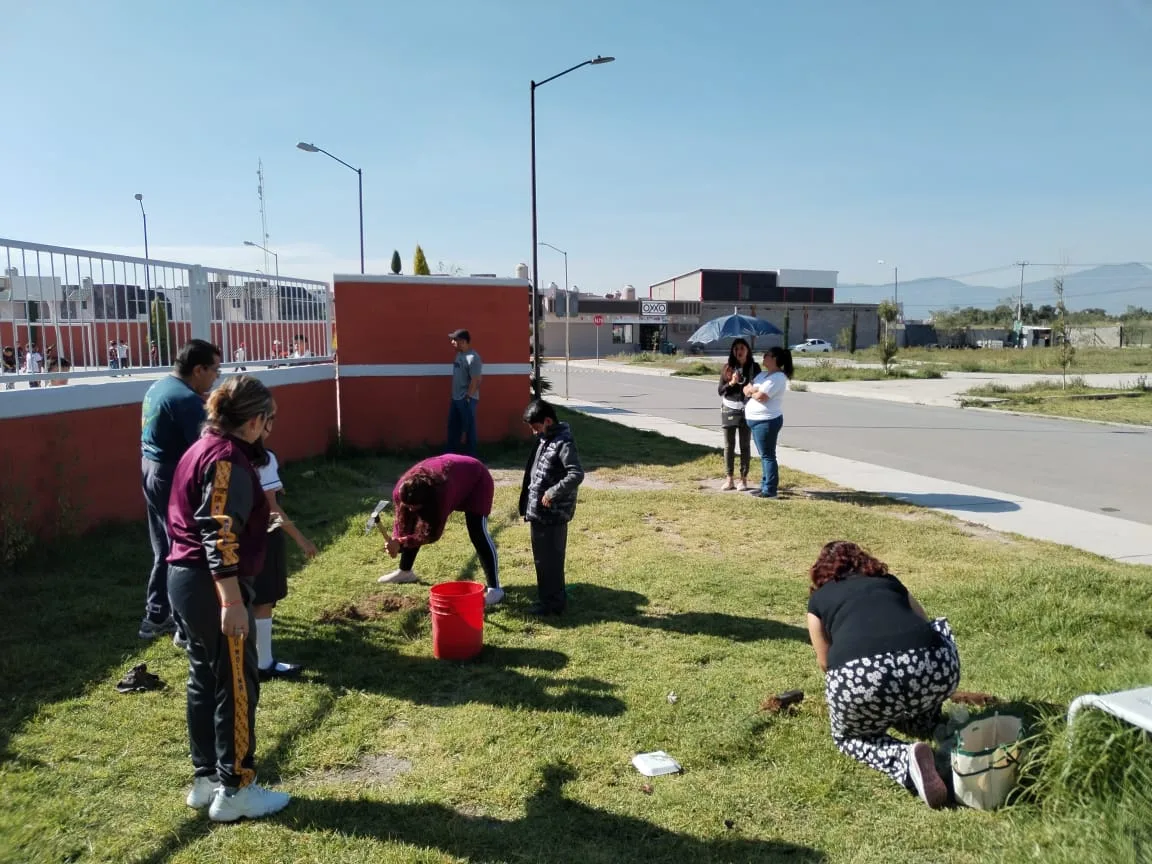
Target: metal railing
x=81, y=314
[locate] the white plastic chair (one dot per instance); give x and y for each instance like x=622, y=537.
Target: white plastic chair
x=1131, y=706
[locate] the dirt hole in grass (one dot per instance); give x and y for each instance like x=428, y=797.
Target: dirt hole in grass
x=370, y=609
x=372, y=770
x=594, y=480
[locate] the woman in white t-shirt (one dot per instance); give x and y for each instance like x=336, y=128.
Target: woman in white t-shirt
x=765, y=414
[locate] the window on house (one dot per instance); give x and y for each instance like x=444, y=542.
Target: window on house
x=622, y=334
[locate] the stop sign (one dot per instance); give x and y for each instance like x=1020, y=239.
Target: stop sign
x=598, y=320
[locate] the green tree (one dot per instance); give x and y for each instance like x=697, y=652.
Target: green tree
x=395, y=262
x=846, y=339
x=1062, y=331
x=420, y=263
x=887, y=312
x=158, y=330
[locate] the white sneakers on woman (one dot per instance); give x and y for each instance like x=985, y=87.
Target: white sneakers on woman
x=251, y=802
x=399, y=577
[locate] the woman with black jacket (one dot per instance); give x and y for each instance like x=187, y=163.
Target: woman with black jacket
x=739, y=370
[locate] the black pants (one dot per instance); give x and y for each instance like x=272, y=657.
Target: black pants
x=482, y=542
x=157, y=482
x=745, y=449
x=223, y=682
x=549, y=547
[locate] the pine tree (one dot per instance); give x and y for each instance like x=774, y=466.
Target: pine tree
x=395, y=262
x=420, y=263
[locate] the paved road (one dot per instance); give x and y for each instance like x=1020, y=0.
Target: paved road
x=1088, y=466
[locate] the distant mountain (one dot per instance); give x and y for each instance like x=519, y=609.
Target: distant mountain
x=1112, y=287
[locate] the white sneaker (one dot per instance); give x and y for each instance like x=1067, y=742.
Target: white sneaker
x=203, y=788
x=922, y=772
x=251, y=802
x=399, y=577
x=493, y=596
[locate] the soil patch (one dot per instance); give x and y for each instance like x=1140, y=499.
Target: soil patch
x=370, y=771
x=983, y=532
x=976, y=700
x=623, y=484
x=782, y=702
x=370, y=609
x=507, y=476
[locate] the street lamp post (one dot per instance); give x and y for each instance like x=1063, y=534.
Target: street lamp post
x=275, y=257
x=147, y=278
x=312, y=148
x=595, y=61
x=567, y=313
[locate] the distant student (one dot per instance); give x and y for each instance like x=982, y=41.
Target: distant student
x=430, y=492
x=8, y=365
x=33, y=363
x=552, y=478
x=467, y=372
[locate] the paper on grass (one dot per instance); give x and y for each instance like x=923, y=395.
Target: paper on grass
x=656, y=763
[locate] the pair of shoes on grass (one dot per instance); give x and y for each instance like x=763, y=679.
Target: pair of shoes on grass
x=229, y=805
x=139, y=680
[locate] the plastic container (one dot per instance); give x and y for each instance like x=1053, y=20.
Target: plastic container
x=457, y=620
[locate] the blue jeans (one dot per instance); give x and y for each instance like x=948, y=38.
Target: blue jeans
x=462, y=424
x=157, y=482
x=765, y=433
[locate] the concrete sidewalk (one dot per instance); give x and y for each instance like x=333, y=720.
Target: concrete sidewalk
x=1119, y=539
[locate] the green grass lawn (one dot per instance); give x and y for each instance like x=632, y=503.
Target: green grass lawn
x=523, y=755
x=1078, y=401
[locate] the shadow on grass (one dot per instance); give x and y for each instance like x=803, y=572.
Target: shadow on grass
x=594, y=604
x=70, y=613
x=350, y=656
x=554, y=828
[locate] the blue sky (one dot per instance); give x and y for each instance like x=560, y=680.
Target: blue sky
x=946, y=137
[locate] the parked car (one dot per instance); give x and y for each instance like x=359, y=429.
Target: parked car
x=813, y=345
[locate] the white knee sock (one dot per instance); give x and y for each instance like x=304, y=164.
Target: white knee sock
x=264, y=642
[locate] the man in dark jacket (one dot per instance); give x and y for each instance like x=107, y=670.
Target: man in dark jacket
x=552, y=479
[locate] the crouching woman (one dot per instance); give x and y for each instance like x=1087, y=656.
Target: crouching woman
x=887, y=666
x=218, y=523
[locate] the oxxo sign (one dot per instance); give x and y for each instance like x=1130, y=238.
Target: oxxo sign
x=653, y=308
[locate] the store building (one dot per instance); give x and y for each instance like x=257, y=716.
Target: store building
x=800, y=302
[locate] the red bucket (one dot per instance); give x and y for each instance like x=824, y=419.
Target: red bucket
x=457, y=620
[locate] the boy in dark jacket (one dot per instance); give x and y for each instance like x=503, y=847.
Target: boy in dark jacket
x=552, y=478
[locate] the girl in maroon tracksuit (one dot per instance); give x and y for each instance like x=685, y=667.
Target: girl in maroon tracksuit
x=218, y=524
x=427, y=494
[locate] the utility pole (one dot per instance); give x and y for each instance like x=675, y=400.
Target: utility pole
x=1020, y=306
x=263, y=215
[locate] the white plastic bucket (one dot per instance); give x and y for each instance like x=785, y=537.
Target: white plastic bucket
x=984, y=760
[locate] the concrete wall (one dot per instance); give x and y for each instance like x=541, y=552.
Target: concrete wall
x=71, y=455
x=1096, y=337
x=395, y=359
x=685, y=287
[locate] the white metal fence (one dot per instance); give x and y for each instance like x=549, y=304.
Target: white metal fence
x=80, y=314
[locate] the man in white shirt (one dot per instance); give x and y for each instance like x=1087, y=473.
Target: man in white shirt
x=33, y=363
x=122, y=354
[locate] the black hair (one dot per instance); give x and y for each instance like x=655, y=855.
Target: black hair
x=783, y=358
x=733, y=363
x=418, y=508
x=197, y=352
x=538, y=411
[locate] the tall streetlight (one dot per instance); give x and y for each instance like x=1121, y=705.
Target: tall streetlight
x=567, y=313
x=275, y=256
x=312, y=148
x=595, y=61
x=147, y=278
